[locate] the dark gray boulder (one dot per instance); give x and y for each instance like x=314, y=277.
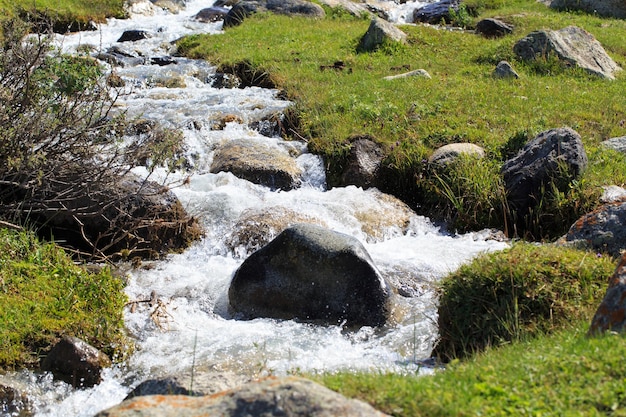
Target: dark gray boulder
x=436, y=13
x=602, y=230
x=379, y=32
x=259, y=163
x=245, y=8
x=611, y=313
x=134, y=35
x=493, y=28
x=76, y=362
x=604, y=8
x=274, y=396
x=211, y=14
x=554, y=157
x=572, y=45
x=362, y=164
x=311, y=273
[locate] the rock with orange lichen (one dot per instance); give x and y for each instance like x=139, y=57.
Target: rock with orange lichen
x=611, y=314
x=287, y=396
x=603, y=230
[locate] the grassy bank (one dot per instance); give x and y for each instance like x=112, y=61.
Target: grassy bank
x=462, y=102
x=68, y=11
x=567, y=374
x=43, y=295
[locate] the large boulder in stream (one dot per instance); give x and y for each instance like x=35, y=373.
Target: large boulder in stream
x=258, y=162
x=311, y=273
x=274, y=396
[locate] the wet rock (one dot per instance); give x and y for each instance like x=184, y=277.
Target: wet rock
x=611, y=313
x=504, y=70
x=493, y=28
x=255, y=228
x=286, y=396
x=604, y=8
x=572, y=45
x=311, y=273
x=134, y=35
x=379, y=32
x=173, y=6
x=222, y=80
x=270, y=126
x=162, y=386
x=211, y=14
x=362, y=163
x=259, y=163
x=554, y=157
x=435, y=13
x=162, y=61
x=245, y=8
x=416, y=73
x=76, y=362
x=451, y=152
x=13, y=402
x=603, y=229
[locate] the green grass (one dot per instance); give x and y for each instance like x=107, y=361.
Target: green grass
x=411, y=117
x=67, y=10
x=567, y=374
x=43, y=295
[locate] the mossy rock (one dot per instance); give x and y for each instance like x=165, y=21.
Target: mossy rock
x=518, y=293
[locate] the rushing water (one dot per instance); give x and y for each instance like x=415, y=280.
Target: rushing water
x=190, y=326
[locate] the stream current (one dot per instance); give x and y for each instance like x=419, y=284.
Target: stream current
x=190, y=326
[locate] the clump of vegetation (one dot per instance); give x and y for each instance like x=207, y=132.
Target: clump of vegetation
x=65, y=159
x=43, y=295
x=566, y=374
x=518, y=293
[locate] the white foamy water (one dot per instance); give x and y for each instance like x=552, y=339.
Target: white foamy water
x=190, y=324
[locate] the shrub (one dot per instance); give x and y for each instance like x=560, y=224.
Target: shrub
x=518, y=293
x=63, y=150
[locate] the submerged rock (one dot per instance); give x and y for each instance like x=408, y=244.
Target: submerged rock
x=312, y=273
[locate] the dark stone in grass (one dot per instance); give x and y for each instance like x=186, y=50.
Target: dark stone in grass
x=311, y=273
x=553, y=158
x=75, y=362
x=493, y=28
x=611, y=314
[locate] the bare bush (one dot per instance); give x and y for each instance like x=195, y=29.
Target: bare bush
x=64, y=169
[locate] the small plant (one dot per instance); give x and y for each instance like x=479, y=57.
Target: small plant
x=460, y=16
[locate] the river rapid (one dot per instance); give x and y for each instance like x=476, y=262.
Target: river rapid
x=190, y=328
